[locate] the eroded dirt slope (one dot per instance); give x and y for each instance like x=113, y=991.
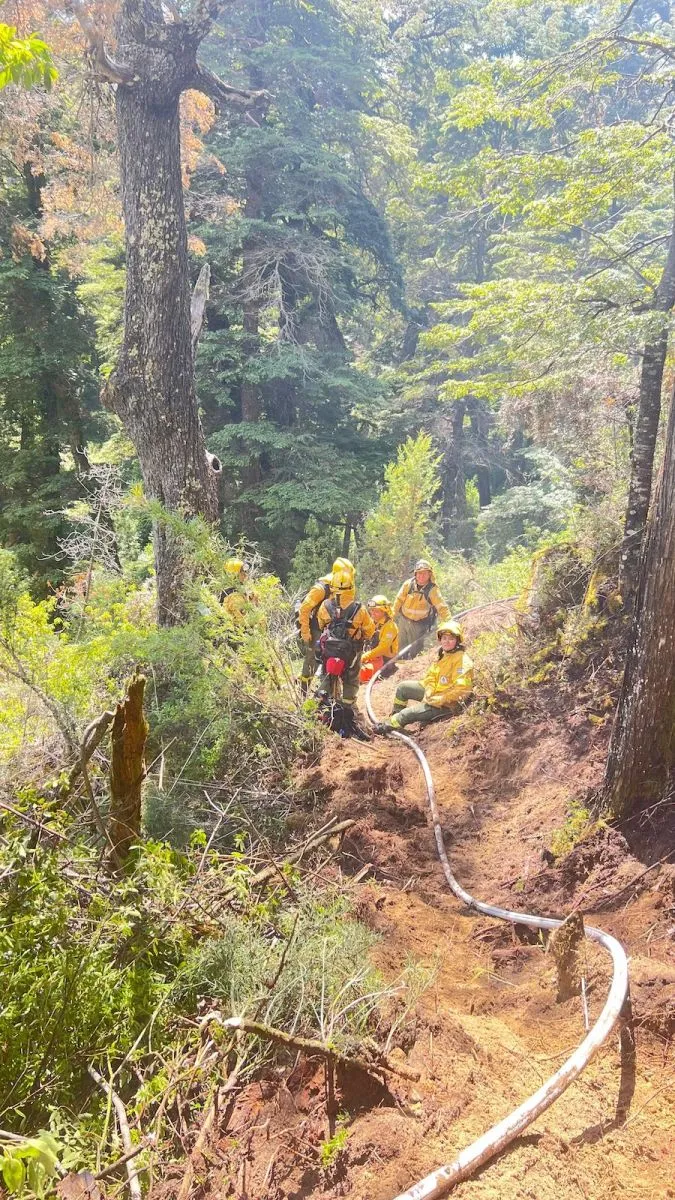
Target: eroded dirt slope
x=489, y=1030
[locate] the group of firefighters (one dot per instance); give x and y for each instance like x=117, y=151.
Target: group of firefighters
x=342, y=636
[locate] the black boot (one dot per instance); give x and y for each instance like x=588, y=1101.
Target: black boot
x=352, y=727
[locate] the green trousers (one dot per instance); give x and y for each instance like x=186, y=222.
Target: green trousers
x=425, y=714
x=410, y=631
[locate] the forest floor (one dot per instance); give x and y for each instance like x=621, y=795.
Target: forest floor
x=488, y=1030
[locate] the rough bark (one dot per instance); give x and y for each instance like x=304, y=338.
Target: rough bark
x=647, y=425
x=642, y=748
x=127, y=768
x=452, y=473
x=153, y=390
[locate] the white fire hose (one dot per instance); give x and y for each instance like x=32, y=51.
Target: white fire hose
x=440, y=1181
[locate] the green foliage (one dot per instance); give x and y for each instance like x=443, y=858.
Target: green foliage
x=403, y=524
x=24, y=61
x=528, y=512
x=578, y=826
x=313, y=555
x=29, y=1163
x=333, y=1147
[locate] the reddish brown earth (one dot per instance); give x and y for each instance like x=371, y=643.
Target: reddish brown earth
x=489, y=1030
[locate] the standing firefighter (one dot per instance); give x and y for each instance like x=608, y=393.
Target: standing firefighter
x=444, y=688
x=384, y=644
x=307, y=618
x=418, y=606
x=346, y=625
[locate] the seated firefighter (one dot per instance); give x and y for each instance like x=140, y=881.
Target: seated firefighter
x=384, y=643
x=307, y=618
x=444, y=688
x=418, y=606
x=345, y=626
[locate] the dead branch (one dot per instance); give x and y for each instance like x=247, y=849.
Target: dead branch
x=198, y=304
x=372, y=1065
x=204, y=80
x=91, y=740
x=111, y=70
x=129, y=733
x=121, y=1162
x=123, y=1126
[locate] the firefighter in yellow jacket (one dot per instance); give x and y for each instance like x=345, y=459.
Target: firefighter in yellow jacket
x=446, y=685
x=307, y=617
x=417, y=606
x=384, y=645
x=349, y=624
x=235, y=596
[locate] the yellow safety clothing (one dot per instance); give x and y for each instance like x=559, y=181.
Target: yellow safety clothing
x=234, y=604
x=316, y=595
x=412, y=603
x=449, y=679
x=387, y=640
x=360, y=628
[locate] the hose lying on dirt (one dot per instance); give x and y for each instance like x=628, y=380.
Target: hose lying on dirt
x=440, y=1181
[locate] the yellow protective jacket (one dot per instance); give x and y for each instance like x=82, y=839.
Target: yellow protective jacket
x=411, y=602
x=360, y=628
x=387, y=641
x=449, y=679
x=316, y=595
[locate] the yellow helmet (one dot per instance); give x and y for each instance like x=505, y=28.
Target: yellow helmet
x=452, y=627
x=380, y=601
x=342, y=581
x=343, y=564
x=234, y=566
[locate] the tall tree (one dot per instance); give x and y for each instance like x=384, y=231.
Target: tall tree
x=152, y=389
x=642, y=749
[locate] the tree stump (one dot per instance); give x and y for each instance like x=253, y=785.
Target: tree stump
x=565, y=944
x=127, y=768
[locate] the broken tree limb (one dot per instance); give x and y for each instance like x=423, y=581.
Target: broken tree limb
x=123, y=1126
x=207, y=1125
x=373, y=1065
x=91, y=740
x=200, y=296
x=127, y=768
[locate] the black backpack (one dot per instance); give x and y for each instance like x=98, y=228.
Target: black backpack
x=335, y=639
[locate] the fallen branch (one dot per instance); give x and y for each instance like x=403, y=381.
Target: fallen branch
x=91, y=740
x=381, y=1064
x=297, y=856
x=121, y=1162
x=123, y=1126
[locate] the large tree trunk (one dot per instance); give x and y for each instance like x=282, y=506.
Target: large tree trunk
x=153, y=389
x=647, y=425
x=642, y=749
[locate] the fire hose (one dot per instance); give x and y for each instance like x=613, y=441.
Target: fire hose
x=500, y=1135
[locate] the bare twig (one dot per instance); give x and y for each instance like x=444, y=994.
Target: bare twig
x=123, y=1126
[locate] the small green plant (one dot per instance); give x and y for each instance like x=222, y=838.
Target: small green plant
x=577, y=827
x=333, y=1147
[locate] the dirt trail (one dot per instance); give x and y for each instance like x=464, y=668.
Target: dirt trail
x=489, y=1030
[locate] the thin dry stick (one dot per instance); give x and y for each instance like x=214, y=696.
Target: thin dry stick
x=206, y=1127
x=123, y=1126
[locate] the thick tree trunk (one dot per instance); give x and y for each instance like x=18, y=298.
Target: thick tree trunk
x=153, y=389
x=642, y=749
x=646, y=426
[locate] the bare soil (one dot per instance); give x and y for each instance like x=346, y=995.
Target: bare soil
x=489, y=1030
